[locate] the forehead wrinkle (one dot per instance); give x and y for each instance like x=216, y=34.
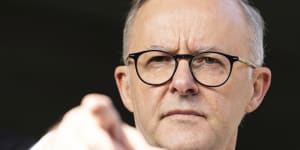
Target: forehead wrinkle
x=166, y=36
x=180, y=31
x=171, y=31
x=175, y=27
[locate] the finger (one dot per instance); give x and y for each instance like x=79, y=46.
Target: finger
x=93, y=101
x=106, y=116
x=100, y=106
x=78, y=129
x=76, y=132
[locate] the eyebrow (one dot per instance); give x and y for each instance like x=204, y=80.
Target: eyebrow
x=158, y=47
x=200, y=50
x=210, y=49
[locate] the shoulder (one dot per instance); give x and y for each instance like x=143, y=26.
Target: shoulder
x=11, y=140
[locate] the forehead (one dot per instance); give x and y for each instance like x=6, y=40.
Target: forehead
x=190, y=24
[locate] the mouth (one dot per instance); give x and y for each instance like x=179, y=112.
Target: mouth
x=182, y=113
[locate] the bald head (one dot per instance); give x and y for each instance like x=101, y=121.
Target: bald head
x=252, y=17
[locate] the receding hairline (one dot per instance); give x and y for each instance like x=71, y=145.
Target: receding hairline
x=253, y=19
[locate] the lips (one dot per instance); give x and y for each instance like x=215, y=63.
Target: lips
x=182, y=112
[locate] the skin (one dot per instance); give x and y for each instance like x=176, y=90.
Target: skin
x=199, y=117
x=93, y=125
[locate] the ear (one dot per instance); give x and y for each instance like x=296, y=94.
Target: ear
x=122, y=80
x=261, y=83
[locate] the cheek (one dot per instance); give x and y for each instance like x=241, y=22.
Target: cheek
x=146, y=102
x=224, y=114
x=228, y=102
x=145, y=98
x=241, y=89
x=232, y=98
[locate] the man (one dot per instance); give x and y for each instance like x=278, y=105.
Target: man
x=193, y=69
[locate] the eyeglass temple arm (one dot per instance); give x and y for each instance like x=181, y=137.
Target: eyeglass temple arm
x=247, y=62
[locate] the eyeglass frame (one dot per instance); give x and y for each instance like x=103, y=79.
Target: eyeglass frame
x=232, y=59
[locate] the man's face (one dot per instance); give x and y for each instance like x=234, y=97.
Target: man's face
x=182, y=114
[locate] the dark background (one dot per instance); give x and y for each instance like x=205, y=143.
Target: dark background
x=53, y=52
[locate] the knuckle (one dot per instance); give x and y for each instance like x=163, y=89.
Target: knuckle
x=94, y=99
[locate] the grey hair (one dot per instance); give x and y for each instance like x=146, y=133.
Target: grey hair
x=136, y=4
x=253, y=17
x=257, y=27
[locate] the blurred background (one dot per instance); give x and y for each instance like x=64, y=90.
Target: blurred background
x=54, y=52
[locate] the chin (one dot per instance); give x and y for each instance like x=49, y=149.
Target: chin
x=185, y=133
x=187, y=144
x=186, y=139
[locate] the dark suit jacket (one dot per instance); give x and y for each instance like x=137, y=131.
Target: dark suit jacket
x=11, y=140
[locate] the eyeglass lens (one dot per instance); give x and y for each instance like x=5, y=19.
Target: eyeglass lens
x=157, y=67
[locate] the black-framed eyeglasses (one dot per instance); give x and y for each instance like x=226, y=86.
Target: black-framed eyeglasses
x=208, y=68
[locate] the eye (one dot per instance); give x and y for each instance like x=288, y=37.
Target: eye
x=205, y=60
x=210, y=60
x=160, y=59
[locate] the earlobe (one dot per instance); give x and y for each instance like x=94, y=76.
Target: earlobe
x=261, y=84
x=122, y=80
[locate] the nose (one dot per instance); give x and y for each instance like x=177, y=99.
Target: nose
x=183, y=82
